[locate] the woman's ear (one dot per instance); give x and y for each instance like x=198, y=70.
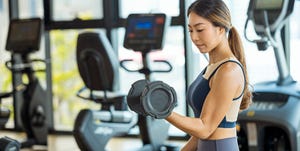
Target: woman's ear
x=221, y=30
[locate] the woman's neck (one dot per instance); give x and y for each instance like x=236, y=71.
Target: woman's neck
x=221, y=52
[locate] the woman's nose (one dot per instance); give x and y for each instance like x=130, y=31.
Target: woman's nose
x=194, y=36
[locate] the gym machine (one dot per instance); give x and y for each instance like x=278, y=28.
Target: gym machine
x=145, y=33
x=98, y=67
x=31, y=111
x=272, y=122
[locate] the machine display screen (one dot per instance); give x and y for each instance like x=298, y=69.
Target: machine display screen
x=268, y=4
x=144, y=32
x=24, y=35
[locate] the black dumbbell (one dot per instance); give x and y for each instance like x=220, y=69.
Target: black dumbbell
x=156, y=99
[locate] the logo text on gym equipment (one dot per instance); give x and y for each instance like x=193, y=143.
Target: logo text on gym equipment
x=104, y=130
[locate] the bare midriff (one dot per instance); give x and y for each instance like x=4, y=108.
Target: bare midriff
x=222, y=133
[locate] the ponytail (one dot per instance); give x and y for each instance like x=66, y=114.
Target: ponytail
x=237, y=49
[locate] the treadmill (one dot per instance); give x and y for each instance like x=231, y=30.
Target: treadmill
x=272, y=122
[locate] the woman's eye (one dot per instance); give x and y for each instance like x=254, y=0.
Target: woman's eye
x=200, y=30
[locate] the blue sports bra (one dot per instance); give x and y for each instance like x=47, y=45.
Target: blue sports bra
x=199, y=89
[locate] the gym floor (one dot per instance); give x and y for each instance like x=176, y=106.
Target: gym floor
x=67, y=143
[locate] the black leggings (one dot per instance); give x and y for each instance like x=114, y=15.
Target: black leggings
x=227, y=144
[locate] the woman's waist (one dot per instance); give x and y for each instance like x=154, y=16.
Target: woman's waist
x=222, y=133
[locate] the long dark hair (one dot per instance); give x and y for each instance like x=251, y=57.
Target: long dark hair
x=218, y=14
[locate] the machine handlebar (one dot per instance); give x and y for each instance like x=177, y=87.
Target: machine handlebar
x=19, y=67
x=146, y=69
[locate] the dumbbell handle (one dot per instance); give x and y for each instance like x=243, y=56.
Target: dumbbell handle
x=115, y=116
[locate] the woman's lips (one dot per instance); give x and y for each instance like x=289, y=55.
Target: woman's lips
x=200, y=46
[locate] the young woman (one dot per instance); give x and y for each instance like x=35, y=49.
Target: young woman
x=221, y=89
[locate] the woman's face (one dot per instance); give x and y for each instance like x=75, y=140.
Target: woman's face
x=203, y=33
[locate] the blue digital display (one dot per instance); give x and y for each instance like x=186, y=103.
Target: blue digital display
x=143, y=25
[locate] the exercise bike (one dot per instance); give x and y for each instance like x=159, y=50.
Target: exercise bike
x=31, y=111
x=272, y=122
x=98, y=65
x=145, y=33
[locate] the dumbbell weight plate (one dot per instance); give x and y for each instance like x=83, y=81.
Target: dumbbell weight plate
x=158, y=99
x=134, y=94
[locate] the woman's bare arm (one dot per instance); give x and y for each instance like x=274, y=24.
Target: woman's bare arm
x=225, y=86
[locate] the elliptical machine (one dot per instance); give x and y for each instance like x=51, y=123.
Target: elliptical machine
x=145, y=33
x=272, y=123
x=29, y=102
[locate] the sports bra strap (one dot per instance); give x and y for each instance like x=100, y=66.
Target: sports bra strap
x=213, y=73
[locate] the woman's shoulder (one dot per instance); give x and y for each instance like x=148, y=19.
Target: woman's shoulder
x=229, y=69
x=229, y=73
x=224, y=68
